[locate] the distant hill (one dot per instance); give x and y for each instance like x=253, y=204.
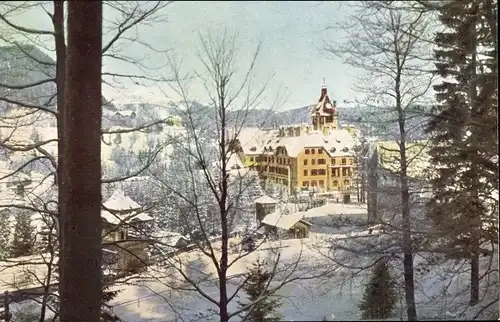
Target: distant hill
x=28, y=65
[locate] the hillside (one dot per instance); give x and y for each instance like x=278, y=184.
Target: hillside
x=29, y=65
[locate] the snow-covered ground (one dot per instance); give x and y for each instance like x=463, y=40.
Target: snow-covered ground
x=303, y=300
x=152, y=297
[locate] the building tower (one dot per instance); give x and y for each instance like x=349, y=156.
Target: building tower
x=324, y=115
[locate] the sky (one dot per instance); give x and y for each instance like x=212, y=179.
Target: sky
x=292, y=36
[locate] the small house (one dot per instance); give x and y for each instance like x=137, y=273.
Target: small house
x=291, y=226
x=264, y=206
x=125, y=231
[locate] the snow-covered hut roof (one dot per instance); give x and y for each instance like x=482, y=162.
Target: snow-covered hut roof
x=119, y=202
x=117, y=219
x=282, y=221
x=265, y=200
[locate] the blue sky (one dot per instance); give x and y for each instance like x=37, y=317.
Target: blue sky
x=292, y=35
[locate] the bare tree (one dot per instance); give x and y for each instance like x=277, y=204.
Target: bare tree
x=211, y=202
x=384, y=41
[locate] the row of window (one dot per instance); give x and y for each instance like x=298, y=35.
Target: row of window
x=279, y=181
x=323, y=161
x=346, y=172
x=315, y=172
x=282, y=171
x=288, y=161
x=313, y=151
x=321, y=183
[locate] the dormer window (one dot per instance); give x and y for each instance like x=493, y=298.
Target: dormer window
x=332, y=150
x=346, y=149
x=338, y=140
x=253, y=149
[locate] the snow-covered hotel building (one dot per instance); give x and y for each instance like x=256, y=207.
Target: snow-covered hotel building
x=318, y=156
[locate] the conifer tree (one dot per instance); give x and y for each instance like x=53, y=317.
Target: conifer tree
x=4, y=234
x=23, y=241
x=379, y=295
x=463, y=129
x=256, y=288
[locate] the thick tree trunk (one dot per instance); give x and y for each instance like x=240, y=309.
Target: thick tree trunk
x=58, y=23
x=81, y=222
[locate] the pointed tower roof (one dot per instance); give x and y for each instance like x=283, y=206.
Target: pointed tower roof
x=119, y=202
x=324, y=106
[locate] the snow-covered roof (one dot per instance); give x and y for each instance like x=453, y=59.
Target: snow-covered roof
x=265, y=200
x=324, y=107
x=172, y=238
x=282, y=221
x=337, y=143
x=251, y=140
x=117, y=219
x=119, y=202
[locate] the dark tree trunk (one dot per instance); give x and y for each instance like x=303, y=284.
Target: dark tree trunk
x=411, y=309
x=223, y=302
x=81, y=222
x=60, y=43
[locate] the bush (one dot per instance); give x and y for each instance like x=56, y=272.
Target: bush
x=264, y=310
x=379, y=295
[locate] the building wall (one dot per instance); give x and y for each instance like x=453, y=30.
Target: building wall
x=327, y=173
x=309, y=169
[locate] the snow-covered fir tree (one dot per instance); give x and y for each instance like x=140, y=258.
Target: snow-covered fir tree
x=464, y=133
x=256, y=288
x=4, y=233
x=379, y=295
x=23, y=239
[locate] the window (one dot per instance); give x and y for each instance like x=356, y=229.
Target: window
x=307, y=151
x=335, y=183
x=123, y=235
x=313, y=183
x=321, y=183
x=321, y=161
x=314, y=172
x=313, y=161
x=321, y=172
x=333, y=161
x=320, y=151
x=346, y=182
x=305, y=172
x=343, y=161
x=305, y=183
x=313, y=151
x=252, y=159
x=344, y=172
x=351, y=161
x=305, y=162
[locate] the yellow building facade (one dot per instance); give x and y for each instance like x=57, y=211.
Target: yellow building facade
x=317, y=156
